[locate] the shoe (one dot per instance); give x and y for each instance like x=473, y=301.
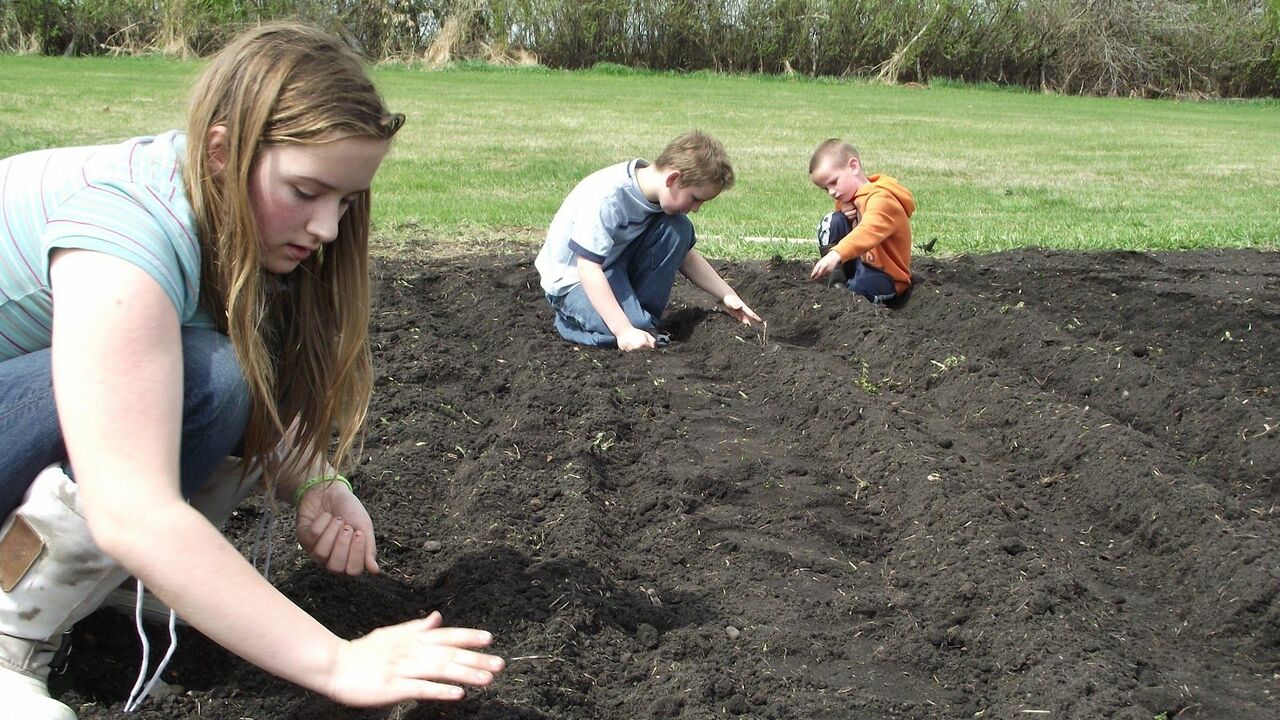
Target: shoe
x=49, y=538
x=661, y=338
x=27, y=697
x=49, y=521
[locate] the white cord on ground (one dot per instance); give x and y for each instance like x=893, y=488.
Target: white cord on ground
x=266, y=526
x=140, y=691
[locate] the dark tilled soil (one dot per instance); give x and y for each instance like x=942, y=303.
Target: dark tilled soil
x=1046, y=487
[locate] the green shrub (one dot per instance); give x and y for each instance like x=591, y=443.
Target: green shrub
x=1102, y=47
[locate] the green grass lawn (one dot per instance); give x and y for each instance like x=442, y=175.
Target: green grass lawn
x=489, y=153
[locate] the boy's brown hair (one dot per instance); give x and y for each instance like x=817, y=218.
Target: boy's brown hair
x=834, y=149
x=700, y=158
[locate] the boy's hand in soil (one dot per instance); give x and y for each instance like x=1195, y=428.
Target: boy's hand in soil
x=417, y=660
x=739, y=310
x=634, y=339
x=335, y=530
x=823, y=267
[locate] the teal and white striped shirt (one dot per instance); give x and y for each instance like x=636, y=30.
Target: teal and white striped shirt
x=126, y=200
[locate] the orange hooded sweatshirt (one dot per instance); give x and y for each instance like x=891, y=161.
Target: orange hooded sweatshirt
x=882, y=238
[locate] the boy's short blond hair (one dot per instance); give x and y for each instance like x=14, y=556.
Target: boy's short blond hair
x=700, y=158
x=834, y=149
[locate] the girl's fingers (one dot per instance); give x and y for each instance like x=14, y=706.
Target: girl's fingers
x=478, y=660
x=324, y=545
x=453, y=655
x=455, y=665
x=437, y=671
x=356, y=554
x=341, y=550
x=427, y=690
x=458, y=637
x=371, y=555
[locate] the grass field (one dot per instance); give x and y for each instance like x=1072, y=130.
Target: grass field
x=488, y=153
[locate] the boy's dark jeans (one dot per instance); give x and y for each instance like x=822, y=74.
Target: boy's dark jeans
x=872, y=283
x=641, y=279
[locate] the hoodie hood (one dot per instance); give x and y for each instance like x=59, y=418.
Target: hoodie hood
x=893, y=187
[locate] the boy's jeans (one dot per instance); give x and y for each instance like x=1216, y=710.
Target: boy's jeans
x=215, y=409
x=641, y=279
x=872, y=283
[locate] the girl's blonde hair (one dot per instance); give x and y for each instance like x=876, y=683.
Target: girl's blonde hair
x=302, y=342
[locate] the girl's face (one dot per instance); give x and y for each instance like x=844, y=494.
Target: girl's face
x=298, y=193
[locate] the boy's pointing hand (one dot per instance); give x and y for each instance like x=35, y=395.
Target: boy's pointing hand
x=739, y=310
x=634, y=339
x=823, y=267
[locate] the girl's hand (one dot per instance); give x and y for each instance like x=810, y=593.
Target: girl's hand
x=417, y=660
x=335, y=530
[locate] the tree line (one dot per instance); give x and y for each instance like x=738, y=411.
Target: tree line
x=1142, y=48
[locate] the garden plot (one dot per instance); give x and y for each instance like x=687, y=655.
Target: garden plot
x=1047, y=486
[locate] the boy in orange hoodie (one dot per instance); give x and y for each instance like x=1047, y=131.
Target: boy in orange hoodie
x=866, y=243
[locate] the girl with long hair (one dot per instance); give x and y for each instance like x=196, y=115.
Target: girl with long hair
x=183, y=317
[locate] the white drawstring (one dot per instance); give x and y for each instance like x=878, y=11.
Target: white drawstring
x=266, y=525
x=140, y=692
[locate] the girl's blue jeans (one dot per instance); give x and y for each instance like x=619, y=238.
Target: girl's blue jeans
x=215, y=409
x=872, y=283
x=641, y=279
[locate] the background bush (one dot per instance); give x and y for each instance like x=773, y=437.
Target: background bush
x=1143, y=48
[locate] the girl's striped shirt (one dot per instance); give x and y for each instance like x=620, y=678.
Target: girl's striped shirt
x=126, y=200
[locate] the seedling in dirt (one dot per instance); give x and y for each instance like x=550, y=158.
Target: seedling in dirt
x=864, y=380
x=602, y=444
x=948, y=363
x=862, y=486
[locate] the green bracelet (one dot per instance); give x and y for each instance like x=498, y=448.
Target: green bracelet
x=317, y=480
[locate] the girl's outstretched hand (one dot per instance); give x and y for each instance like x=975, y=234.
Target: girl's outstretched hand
x=335, y=530
x=417, y=660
